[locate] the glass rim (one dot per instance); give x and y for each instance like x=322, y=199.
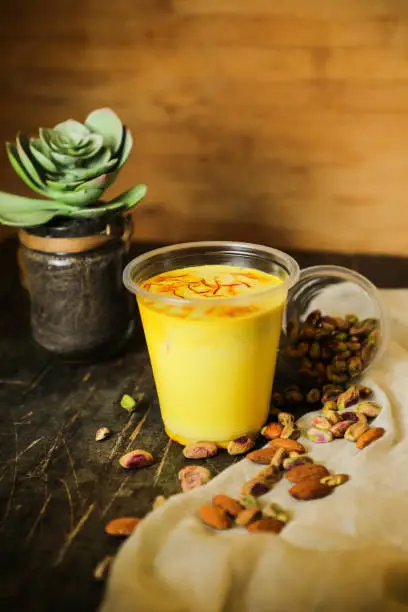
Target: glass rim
x=281, y=258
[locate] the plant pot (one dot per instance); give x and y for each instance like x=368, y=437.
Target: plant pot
x=72, y=270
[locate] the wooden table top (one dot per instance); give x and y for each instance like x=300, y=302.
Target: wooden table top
x=58, y=487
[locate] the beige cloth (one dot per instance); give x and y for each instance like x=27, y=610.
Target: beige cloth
x=348, y=551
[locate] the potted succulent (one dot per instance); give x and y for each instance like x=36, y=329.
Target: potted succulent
x=73, y=243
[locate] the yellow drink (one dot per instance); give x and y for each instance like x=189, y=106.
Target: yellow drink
x=213, y=361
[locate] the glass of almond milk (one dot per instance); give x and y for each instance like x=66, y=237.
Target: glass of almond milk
x=212, y=316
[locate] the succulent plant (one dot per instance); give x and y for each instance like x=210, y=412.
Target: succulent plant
x=71, y=164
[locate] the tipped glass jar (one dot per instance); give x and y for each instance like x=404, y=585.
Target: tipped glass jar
x=335, y=327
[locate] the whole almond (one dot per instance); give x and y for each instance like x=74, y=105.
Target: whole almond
x=262, y=455
x=214, y=517
x=309, y=489
x=369, y=436
x=123, y=526
x=288, y=444
x=272, y=431
x=228, y=504
x=247, y=516
x=266, y=524
x=200, y=450
x=306, y=471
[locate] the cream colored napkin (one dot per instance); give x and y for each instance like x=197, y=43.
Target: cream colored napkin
x=348, y=551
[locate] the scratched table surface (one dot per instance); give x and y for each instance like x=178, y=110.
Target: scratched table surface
x=58, y=487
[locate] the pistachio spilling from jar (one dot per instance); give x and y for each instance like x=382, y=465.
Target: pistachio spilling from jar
x=332, y=349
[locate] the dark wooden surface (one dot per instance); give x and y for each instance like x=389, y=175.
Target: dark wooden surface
x=58, y=487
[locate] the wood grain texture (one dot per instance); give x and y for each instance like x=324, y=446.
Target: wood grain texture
x=277, y=122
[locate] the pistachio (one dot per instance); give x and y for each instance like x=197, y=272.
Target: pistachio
x=364, y=392
x=313, y=396
x=342, y=324
x=272, y=431
x=355, y=366
x=136, y=459
x=362, y=418
x=101, y=571
x=291, y=462
x=128, y=403
x=240, y=445
x=339, y=365
x=320, y=436
x=275, y=511
x=159, y=501
x=307, y=332
x=200, y=450
x=248, y=516
x=249, y=501
x=363, y=328
x=367, y=353
x=261, y=483
x=373, y=336
x=193, y=477
x=339, y=378
x=277, y=459
x=314, y=351
x=320, y=422
x=102, y=433
x=349, y=415
x=289, y=431
x=354, y=347
x=314, y=317
x=334, y=480
x=332, y=416
x=348, y=398
x=355, y=431
x=341, y=336
x=285, y=418
x=339, y=429
x=330, y=406
x=369, y=409
x=351, y=319
x=293, y=395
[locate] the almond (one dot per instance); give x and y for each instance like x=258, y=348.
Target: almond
x=288, y=444
x=228, y=504
x=214, y=517
x=266, y=524
x=272, y=431
x=122, y=526
x=263, y=455
x=309, y=489
x=304, y=472
x=247, y=516
x=372, y=434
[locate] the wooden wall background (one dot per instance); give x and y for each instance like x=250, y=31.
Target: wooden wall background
x=283, y=122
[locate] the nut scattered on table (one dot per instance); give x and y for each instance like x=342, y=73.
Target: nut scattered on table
x=228, y=504
x=307, y=471
x=136, y=459
x=102, y=433
x=122, y=526
x=262, y=455
x=288, y=444
x=193, y=477
x=200, y=450
x=369, y=436
x=247, y=516
x=309, y=489
x=266, y=524
x=128, y=402
x=335, y=480
x=240, y=445
x=101, y=571
x=272, y=431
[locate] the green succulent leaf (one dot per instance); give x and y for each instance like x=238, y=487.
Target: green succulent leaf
x=22, y=173
x=106, y=122
x=74, y=174
x=25, y=219
x=77, y=198
x=124, y=201
x=38, y=151
x=125, y=148
x=73, y=129
x=30, y=165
